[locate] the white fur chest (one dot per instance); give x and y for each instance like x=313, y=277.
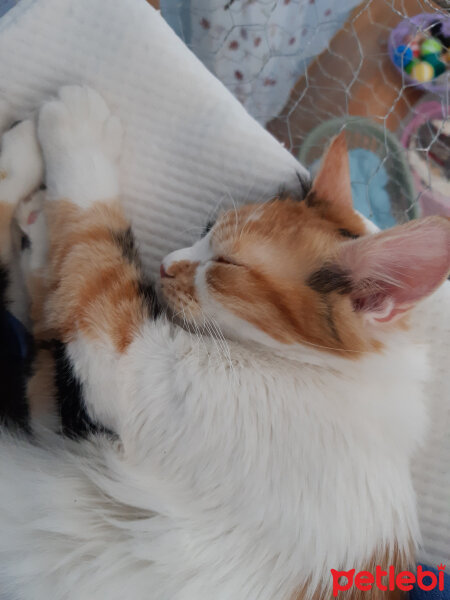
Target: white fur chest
x=279, y=470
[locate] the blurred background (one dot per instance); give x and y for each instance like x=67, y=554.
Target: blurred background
x=306, y=69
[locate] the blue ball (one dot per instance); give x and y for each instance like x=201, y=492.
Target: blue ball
x=403, y=55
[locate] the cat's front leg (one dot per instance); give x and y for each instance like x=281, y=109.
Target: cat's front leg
x=21, y=173
x=97, y=303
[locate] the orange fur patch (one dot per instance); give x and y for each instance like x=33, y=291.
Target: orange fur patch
x=276, y=248
x=92, y=288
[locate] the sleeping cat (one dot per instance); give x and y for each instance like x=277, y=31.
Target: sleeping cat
x=264, y=433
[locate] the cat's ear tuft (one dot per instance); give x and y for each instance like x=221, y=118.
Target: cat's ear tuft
x=393, y=270
x=332, y=183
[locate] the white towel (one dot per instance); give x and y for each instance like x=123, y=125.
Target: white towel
x=190, y=147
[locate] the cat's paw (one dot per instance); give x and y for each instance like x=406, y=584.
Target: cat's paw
x=32, y=235
x=81, y=142
x=21, y=162
x=79, y=120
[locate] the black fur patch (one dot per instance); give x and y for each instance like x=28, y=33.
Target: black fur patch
x=14, y=372
x=75, y=421
x=13, y=368
x=148, y=293
x=348, y=234
x=298, y=194
x=305, y=185
x=4, y=280
x=13, y=404
x=25, y=242
x=207, y=228
x=312, y=200
x=330, y=278
x=125, y=241
x=330, y=318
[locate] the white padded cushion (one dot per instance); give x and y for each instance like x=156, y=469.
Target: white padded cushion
x=190, y=147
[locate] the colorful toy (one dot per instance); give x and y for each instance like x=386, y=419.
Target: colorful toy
x=430, y=46
x=403, y=55
x=420, y=47
x=434, y=60
x=423, y=71
x=409, y=67
x=415, y=48
x=414, y=42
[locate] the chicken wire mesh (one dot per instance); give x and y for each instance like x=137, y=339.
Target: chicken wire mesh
x=305, y=69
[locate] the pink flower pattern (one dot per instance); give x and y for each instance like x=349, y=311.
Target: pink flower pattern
x=258, y=48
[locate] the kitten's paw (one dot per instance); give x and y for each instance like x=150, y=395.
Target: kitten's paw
x=32, y=237
x=21, y=162
x=81, y=141
x=79, y=120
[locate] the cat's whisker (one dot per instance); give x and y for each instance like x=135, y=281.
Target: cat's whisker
x=212, y=336
x=221, y=337
x=219, y=340
x=199, y=336
x=233, y=379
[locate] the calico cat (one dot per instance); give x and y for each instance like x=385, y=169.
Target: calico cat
x=265, y=432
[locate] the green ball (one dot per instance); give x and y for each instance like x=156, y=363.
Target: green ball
x=437, y=64
x=409, y=67
x=430, y=46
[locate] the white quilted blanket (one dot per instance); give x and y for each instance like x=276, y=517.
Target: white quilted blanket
x=189, y=148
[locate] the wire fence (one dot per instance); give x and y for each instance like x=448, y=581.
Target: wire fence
x=308, y=68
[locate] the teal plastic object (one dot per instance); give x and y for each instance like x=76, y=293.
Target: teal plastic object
x=382, y=183
x=437, y=64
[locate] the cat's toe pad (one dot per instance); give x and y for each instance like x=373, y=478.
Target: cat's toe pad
x=32, y=232
x=21, y=162
x=28, y=209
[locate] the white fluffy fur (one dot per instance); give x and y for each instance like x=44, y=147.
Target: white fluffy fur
x=21, y=173
x=241, y=471
x=21, y=164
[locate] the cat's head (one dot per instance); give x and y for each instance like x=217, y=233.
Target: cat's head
x=308, y=272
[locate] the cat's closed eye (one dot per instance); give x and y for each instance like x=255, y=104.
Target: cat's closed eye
x=226, y=261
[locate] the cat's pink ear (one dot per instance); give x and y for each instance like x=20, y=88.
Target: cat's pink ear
x=332, y=182
x=393, y=270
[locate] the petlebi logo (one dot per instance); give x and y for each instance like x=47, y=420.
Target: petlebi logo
x=388, y=580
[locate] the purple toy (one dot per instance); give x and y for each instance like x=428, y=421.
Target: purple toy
x=408, y=28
